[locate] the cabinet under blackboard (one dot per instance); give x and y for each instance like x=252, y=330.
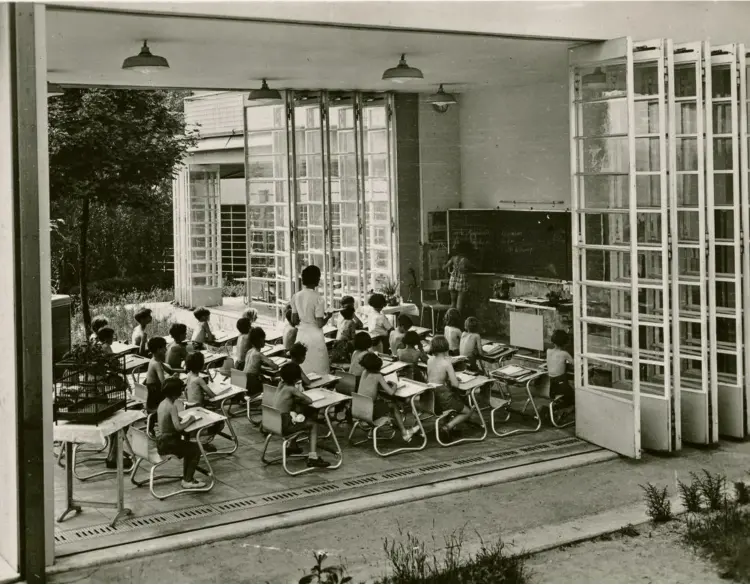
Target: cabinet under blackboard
x=522, y=243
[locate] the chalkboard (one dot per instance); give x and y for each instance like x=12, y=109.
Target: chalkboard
x=521, y=243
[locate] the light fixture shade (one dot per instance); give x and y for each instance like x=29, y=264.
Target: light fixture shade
x=595, y=80
x=144, y=61
x=440, y=98
x=402, y=72
x=54, y=90
x=265, y=93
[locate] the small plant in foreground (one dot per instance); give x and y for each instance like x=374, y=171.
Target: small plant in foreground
x=712, y=488
x=690, y=494
x=741, y=493
x=724, y=536
x=658, y=506
x=321, y=574
x=411, y=563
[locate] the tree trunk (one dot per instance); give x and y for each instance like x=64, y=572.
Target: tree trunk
x=83, y=249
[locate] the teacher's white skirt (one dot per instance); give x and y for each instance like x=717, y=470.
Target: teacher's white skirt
x=317, y=353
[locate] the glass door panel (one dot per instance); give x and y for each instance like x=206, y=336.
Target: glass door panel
x=346, y=247
x=268, y=208
x=204, y=226
x=743, y=68
x=724, y=215
x=603, y=149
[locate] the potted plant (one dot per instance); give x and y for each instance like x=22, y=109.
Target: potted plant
x=389, y=290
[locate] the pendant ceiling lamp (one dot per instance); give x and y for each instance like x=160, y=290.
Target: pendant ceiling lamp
x=144, y=61
x=440, y=98
x=595, y=80
x=54, y=90
x=265, y=93
x=402, y=73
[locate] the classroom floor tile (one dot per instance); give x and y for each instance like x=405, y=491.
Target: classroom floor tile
x=245, y=487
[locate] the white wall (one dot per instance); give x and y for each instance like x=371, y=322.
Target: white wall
x=514, y=146
x=439, y=159
x=233, y=191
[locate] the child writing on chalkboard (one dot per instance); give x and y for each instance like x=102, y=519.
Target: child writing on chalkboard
x=458, y=264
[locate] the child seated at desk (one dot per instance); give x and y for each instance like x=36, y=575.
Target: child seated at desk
x=411, y=353
x=380, y=326
x=140, y=337
x=348, y=301
x=158, y=371
x=397, y=335
x=471, y=344
x=362, y=346
x=177, y=351
x=97, y=323
x=202, y=334
x=254, y=360
x=170, y=438
x=440, y=371
x=244, y=325
x=557, y=360
x=452, y=330
x=197, y=391
x=297, y=355
x=290, y=398
x=251, y=315
x=289, y=336
x=347, y=328
x=374, y=386
x=105, y=337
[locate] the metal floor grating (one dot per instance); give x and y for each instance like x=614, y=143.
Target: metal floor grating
x=191, y=513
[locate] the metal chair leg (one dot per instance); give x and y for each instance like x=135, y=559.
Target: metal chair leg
x=552, y=418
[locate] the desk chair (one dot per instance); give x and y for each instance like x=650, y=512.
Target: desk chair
x=433, y=304
x=272, y=425
x=143, y=447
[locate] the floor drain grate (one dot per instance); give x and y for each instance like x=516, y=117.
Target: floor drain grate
x=209, y=510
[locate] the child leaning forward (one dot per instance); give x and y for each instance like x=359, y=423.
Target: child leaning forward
x=440, y=371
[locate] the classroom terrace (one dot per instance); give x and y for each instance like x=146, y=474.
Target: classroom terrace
x=508, y=64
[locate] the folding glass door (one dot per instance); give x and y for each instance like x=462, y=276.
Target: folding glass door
x=269, y=231
x=744, y=134
x=196, y=203
x=624, y=392
x=726, y=231
x=691, y=248
x=319, y=191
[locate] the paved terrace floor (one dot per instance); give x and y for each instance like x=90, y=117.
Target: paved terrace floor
x=247, y=489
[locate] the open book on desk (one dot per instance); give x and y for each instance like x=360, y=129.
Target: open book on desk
x=513, y=371
x=203, y=418
x=313, y=377
x=315, y=394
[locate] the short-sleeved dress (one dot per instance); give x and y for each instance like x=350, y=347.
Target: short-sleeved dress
x=458, y=281
x=309, y=305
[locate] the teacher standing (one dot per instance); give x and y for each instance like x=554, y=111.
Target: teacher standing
x=308, y=314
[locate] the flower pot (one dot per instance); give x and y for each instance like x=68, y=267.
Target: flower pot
x=393, y=302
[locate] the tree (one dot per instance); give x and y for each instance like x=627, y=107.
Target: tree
x=112, y=148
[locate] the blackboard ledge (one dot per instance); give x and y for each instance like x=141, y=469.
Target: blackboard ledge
x=524, y=278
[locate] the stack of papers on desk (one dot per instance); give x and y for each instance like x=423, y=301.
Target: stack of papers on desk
x=493, y=347
x=312, y=376
x=219, y=388
x=278, y=360
x=315, y=395
x=513, y=371
x=464, y=377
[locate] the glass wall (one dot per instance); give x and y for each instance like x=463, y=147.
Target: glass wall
x=319, y=191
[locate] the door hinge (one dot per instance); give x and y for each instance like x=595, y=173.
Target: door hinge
x=289, y=112
x=357, y=111
x=389, y=111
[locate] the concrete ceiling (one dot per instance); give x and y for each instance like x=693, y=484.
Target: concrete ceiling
x=87, y=47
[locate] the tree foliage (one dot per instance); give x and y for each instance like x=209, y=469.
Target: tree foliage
x=112, y=154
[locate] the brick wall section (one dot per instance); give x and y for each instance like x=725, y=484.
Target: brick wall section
x=406, y=121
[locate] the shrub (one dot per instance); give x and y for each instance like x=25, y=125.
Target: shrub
x=658, y=506
x=724, y=536
x=712, y=488
x=691, y=496
x=232, y=288
x=321, y=574
x=741, y=493
x=411, y=563
x=120, y=317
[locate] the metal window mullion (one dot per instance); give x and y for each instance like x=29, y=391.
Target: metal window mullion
x=711, y=237
x=635, y=332
x=247, y=203
x=580, y=373
x=705, y=265
x=744, y=205
x=390, y=136
x=361, y=198
x=292, y=211
x=325, y=147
